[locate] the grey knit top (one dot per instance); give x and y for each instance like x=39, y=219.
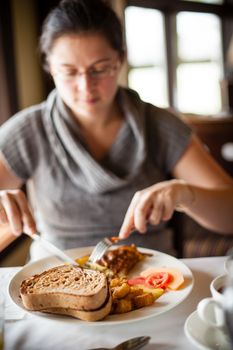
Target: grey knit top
x=78, y=199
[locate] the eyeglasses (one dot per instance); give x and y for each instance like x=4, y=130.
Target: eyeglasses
x=97, y=72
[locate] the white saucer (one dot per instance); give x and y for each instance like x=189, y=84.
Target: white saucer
x=203, y=336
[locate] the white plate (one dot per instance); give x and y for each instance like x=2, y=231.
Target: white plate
x=203, y=336
x=166, y=302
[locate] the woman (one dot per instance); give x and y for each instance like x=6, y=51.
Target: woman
x=92, y=144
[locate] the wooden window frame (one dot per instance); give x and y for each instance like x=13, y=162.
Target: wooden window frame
x=170, y=9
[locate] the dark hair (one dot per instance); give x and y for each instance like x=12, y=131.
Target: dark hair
x=81, y=17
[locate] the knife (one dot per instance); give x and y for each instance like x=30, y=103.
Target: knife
x=51, y=248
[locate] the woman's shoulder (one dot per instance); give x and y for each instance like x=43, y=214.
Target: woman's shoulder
x=34, y=113
x=26, y=117
x=155, y=116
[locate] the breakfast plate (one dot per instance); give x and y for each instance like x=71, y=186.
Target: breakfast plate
x=165, y=303
x=203, y=336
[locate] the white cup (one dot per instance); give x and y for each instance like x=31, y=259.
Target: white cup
x=216, y=319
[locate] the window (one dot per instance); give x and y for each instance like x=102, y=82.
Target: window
x=199, y=69
x=148, y=69
x=175, y=55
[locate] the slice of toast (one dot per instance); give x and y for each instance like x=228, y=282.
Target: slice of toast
x=65, y=288
x=90, y=316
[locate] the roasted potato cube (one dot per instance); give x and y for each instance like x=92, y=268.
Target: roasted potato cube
x=122, y=306
x=115, y=282
x=120, y=292
x=142, y=300
x=133, y=293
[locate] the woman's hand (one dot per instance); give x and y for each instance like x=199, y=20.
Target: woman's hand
x=14, y=210
x=155, y=204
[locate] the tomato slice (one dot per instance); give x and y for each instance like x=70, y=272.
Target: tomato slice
x=158, y=280
x=136, y=280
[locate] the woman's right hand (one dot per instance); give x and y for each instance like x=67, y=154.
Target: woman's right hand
x=14, y=210
x=155, y=204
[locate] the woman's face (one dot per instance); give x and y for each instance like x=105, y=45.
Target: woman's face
x=85, y=70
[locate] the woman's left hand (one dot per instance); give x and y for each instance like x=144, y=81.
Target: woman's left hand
x=155, y=204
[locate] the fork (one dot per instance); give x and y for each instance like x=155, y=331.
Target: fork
x=131, y=344
x=101, y=248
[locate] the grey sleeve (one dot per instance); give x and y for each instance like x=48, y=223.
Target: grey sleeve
x=168, y=137
x=18, y=144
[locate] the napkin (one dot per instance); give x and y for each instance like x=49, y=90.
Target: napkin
x=12, y=311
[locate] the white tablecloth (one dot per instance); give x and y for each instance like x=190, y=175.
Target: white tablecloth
x=166, y=330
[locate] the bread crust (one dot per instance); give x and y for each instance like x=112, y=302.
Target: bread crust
x=90, y=316
x=65, y=287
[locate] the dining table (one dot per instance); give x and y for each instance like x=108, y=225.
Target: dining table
x=23, y=330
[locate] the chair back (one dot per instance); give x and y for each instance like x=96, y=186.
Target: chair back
x=217, y=135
